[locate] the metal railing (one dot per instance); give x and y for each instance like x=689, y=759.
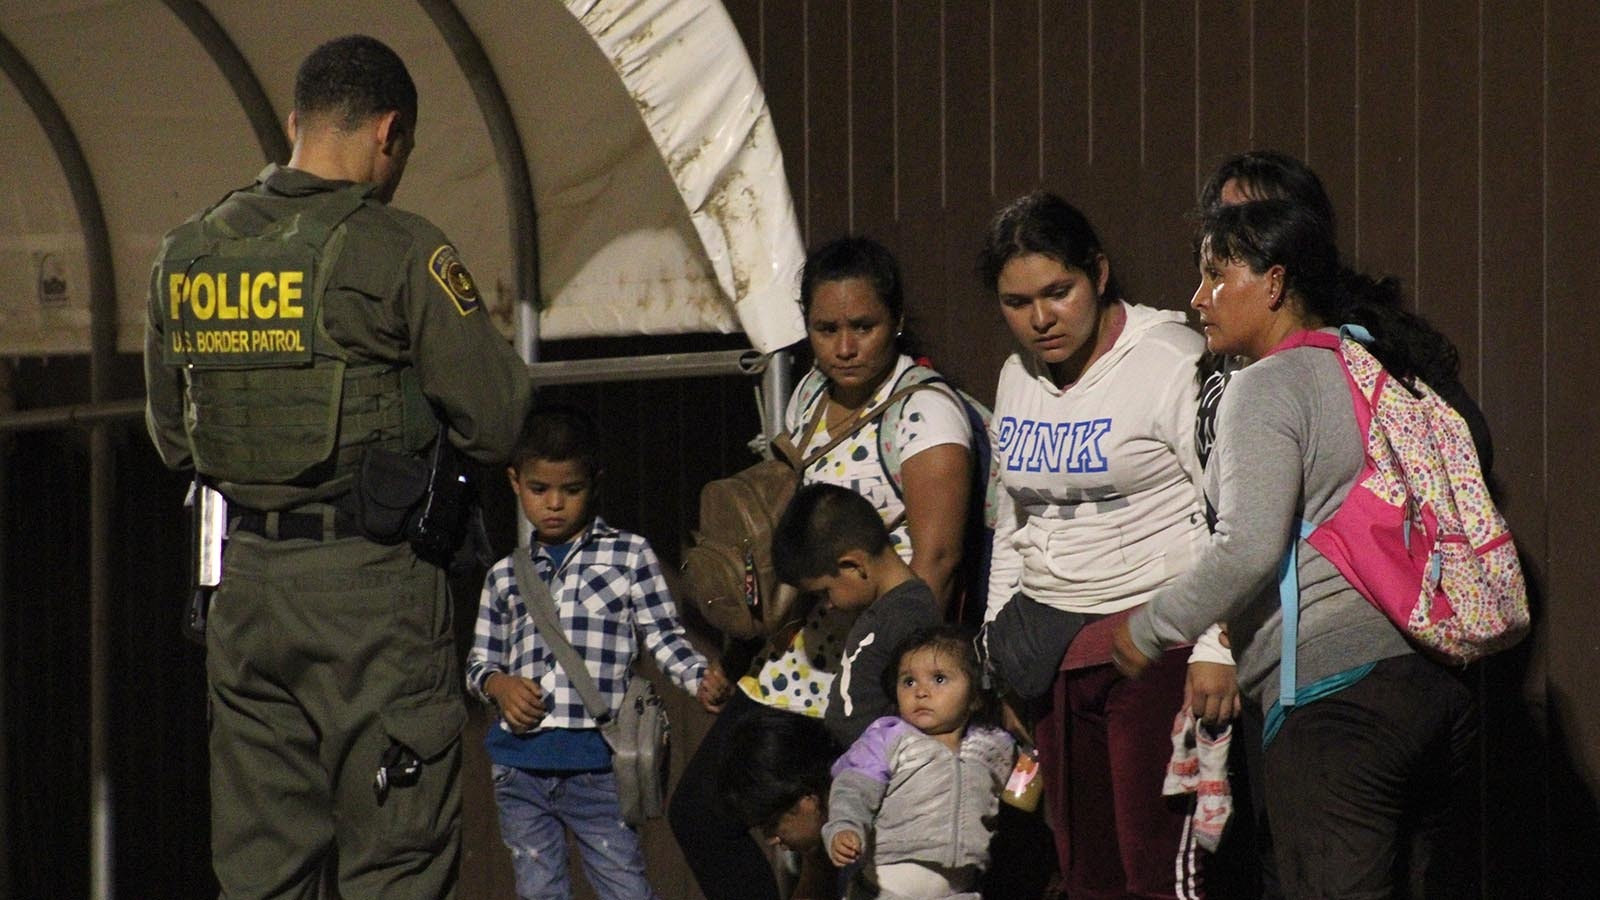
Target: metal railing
x=544, y=374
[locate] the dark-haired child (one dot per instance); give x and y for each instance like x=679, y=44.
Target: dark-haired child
x=776, y=777
x=832, y=544
x=916, y=797
x=552, y=769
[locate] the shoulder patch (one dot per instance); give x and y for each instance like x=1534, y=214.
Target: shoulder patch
x=452, y=275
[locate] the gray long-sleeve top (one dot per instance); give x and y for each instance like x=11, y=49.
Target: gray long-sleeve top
x=1288, y=448
x=918, y=800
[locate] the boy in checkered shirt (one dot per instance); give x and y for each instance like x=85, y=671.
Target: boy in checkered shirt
x=552, y=769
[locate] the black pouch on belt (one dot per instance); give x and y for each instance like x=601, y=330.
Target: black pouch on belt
x=1027, y=641
x=388, y=493
x=442, y=516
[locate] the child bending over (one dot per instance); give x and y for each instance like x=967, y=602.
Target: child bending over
x=552, y=769
x=831, y=543
x=915, y=798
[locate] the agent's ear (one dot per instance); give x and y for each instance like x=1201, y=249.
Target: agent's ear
x=515, y=477
x=293, y=128
x=392, y=131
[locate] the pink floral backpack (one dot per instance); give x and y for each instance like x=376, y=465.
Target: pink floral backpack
x=1418, y=534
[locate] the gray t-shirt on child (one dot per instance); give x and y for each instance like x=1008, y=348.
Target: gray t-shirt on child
x=857, y=698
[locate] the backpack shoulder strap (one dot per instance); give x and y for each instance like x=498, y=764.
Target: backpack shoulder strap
x=978, y=416
x=807, y=393
x=857, y=422
x=809, y=390
x=542, y=607
x=888, y=447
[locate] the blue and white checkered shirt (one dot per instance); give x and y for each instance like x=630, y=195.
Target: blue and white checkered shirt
x=609, y=583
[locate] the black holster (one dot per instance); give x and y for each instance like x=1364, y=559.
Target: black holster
x=426, y=501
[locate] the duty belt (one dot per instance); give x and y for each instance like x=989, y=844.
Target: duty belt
x=317, y=522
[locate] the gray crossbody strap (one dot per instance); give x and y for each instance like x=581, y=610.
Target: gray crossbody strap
x=542, y=607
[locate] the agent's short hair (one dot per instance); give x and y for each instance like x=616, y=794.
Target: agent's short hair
x=353, y=78
x=822, y=523
x=772, y=760
x=557, y=432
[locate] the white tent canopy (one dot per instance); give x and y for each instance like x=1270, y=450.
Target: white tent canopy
x=647, y=155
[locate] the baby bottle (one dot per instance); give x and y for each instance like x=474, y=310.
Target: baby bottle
x=1025, y=784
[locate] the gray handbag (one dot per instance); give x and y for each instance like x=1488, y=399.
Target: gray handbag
x=639, y=734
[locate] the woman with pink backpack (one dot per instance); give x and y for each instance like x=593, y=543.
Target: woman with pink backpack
x=1361, y=771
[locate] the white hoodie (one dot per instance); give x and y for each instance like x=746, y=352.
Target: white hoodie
x=1101, y=505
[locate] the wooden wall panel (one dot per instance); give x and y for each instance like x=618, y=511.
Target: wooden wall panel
x=873, y=108
x=1018, y=85
x=919, y=160
x=969, y=181
x=969, y=133
x=1278, y=77
x=1159, y=254
x=920, y=119
x=830, y=112
x=1512, y=262
x=1110, y=196
x=1331, y=120
x=1221, y=83
x=1064, y=102
x=1446, y=283
x=1571, y=630
x=1385, y=142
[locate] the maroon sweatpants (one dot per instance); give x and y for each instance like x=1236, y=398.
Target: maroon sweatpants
x=1103, y=762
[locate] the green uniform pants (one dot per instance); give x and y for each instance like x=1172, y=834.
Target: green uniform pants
x=320, y=656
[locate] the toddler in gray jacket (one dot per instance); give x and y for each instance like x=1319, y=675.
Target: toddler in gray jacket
x=915, y=798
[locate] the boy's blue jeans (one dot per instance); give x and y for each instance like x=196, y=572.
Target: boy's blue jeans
x=535, y=813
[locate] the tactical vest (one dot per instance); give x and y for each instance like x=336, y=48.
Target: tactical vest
x=273, y=405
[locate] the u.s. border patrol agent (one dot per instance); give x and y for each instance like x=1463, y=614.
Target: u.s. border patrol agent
x=295, y=330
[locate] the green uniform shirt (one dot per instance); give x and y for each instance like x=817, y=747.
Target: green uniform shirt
x=398, y=295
